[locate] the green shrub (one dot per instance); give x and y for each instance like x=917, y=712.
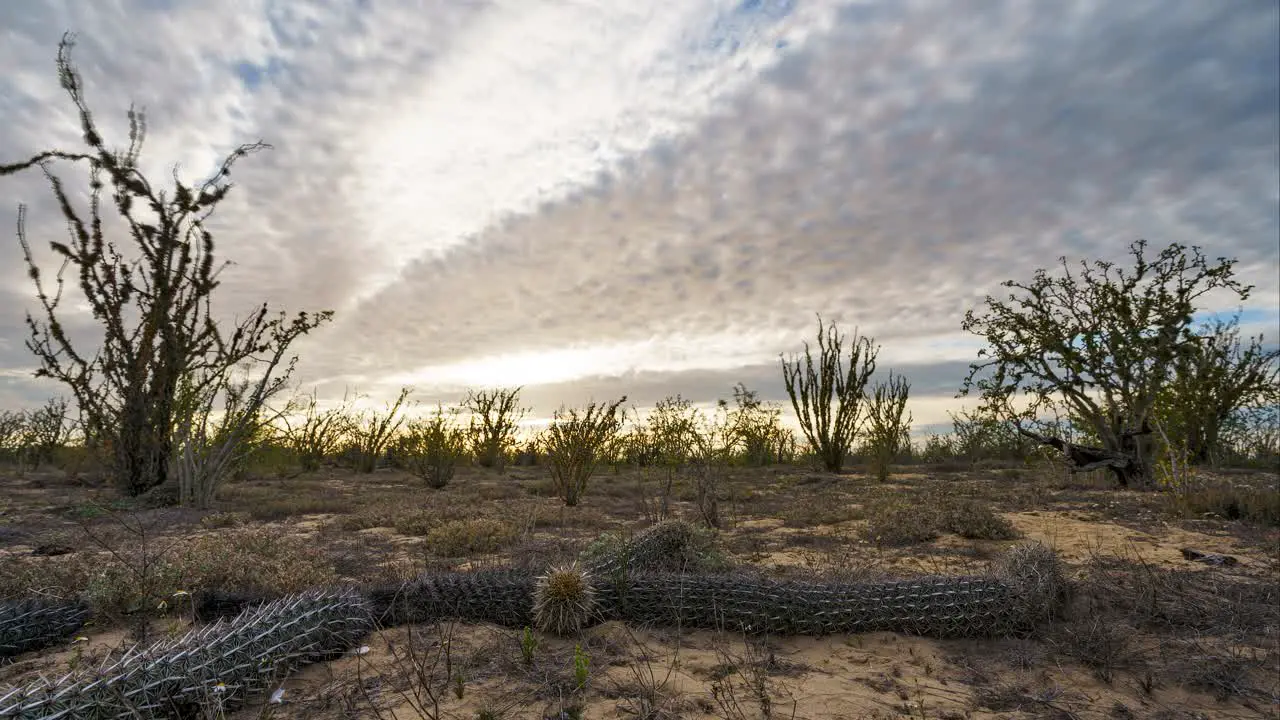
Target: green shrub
x=576, y=442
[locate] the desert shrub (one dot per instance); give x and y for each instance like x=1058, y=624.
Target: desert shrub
x=431, y=448
x=980, y=435
x=495, y=417
x=131, y=586
x=937, y=449
x=712, y=450
x=1103, y=645
x=42, y=433
x=12, y=433
x=1231, y=501
x=888, y=424
x=270, y=560
x=368, y=435
x=316, y=435
x=576, y=442
x=457, y=538
x=757, y=431
x=974, y=520
x=898, y=521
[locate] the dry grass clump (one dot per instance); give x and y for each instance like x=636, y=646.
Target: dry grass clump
x=1229, y=501
x=899, y=521
x=974, y=520
x=457, y=538
x=144, y=578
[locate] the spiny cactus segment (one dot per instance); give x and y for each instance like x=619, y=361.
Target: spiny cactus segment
x=35, y=623
x=218, y=664
x=657, y=546
x=498, y=596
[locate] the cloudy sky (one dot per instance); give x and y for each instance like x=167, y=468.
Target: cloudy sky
x=593, y=198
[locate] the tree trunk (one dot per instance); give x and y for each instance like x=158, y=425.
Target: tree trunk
x=1130, y=463
x=832, y=457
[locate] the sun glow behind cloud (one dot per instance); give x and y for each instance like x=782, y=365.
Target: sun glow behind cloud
x=592, y=198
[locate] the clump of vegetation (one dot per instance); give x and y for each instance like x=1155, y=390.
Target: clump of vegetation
x=1227, y=500
x=458, y=538
x=815, y=389
x=898, y=521
x=368, y=436
x=495, y=418
x=888, y=424
x=1102, y=345
x=911, y=519
x=316, y=435
x=756, y=430
x=975, y=520
x=432, y=448
x=576, y=442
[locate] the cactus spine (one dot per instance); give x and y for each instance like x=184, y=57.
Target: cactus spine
x=218, y=664
x=34, y=624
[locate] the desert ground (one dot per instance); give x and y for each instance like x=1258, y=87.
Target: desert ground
x=1148, y=631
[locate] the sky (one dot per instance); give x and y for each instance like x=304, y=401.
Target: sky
x=590, y=199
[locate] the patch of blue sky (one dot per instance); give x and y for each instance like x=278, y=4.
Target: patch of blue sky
x=252, y=75
x=1247, y=316
x=745, y=25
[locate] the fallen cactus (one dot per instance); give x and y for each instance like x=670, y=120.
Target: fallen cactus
x=217, y=665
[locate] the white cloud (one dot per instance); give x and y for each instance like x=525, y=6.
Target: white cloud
x=576, y=194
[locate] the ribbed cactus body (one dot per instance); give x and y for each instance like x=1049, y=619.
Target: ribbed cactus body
x=659, y=545
x=504, y=597
x=36, y=623
x=216, y=665
x=938, y=607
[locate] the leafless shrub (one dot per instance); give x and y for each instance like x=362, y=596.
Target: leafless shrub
x=712, y=448
x=40, y=433
x=888, y=424
x=316, y=435
x=207, y=452
x=369, y=434
x=813, y=391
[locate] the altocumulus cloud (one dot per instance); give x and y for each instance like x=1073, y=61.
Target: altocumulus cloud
x=599, y=198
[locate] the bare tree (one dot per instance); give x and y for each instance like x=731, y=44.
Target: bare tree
x=155, y=309
x=1101, y=343
x=815, y=390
